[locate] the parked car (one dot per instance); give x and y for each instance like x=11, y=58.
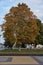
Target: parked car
x=39, y=46
x=30, y=46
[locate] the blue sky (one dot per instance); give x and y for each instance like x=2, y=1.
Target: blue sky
x=35, y=5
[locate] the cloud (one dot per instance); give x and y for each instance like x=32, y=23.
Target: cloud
x=34, y=1
x=11, y=0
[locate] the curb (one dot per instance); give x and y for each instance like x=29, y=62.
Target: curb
x=21, y=54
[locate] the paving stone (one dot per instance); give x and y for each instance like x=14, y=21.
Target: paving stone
x=20, y=60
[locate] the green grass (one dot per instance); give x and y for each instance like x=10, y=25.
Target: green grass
x=23, y=51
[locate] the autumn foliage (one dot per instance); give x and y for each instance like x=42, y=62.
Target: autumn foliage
x=20, y=25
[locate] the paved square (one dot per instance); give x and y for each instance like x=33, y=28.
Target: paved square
x=20, y=60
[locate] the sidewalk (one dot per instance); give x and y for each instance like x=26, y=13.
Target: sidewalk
x=19, y=60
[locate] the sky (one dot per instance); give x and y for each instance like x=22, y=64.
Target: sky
x=5, y=5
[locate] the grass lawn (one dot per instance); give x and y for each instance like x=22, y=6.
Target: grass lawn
x=23, y=51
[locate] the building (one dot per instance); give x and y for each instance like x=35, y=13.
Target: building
x=2, y=46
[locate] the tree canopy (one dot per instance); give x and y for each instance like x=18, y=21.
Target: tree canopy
x=20, y=25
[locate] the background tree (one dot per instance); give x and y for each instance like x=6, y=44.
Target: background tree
x=39, y=39
x=21, y=25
